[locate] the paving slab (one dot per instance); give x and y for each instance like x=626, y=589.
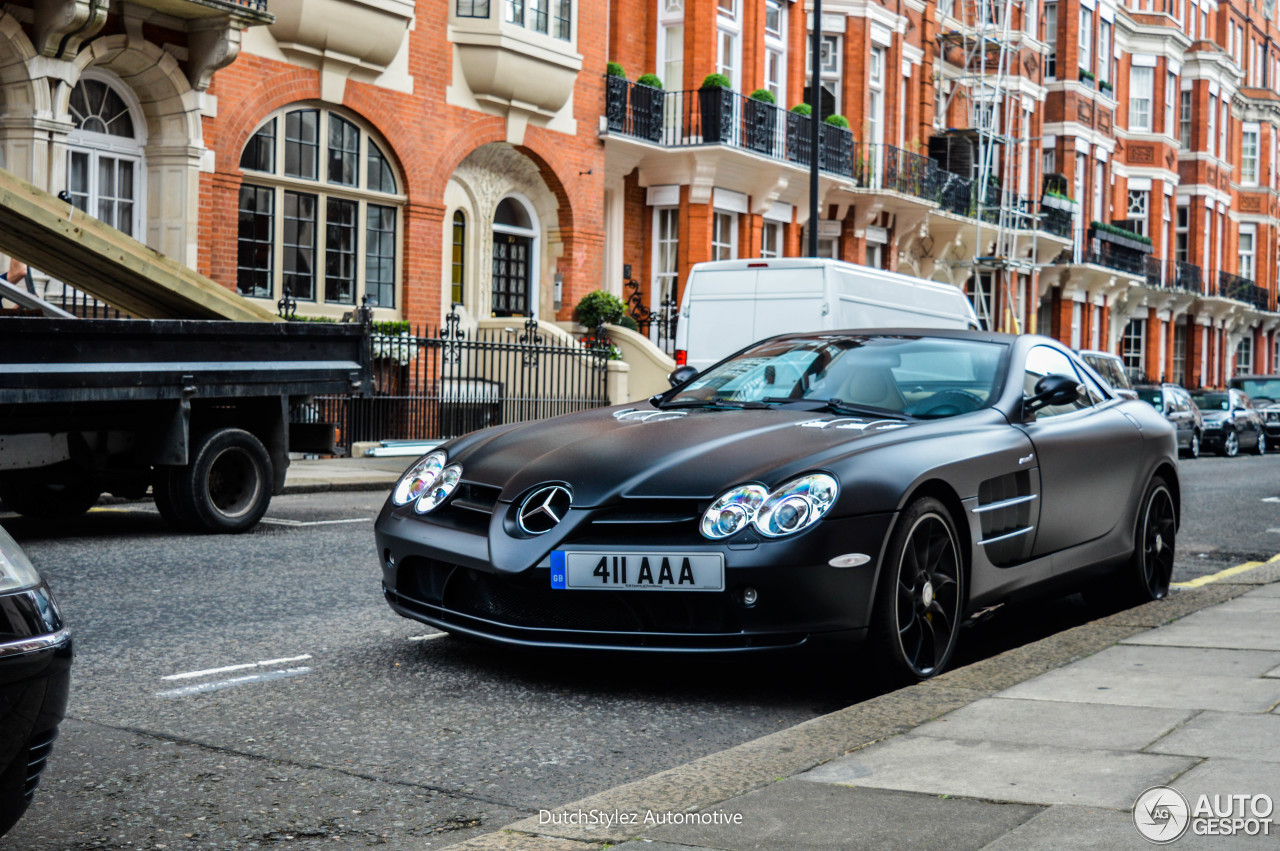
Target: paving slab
x=1266, y=591
x=801, y=816
x=1181, y=661
x=1077, y=828
x=1217, y=628
x=1225, y=734
x=1252, y=603
x=1068, y=725
x=1234, y=777
x=1033, y=774
x=1082, y=684
x=650, y=845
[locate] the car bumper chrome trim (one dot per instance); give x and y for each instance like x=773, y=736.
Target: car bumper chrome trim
x=34, y=644
x=1015, y=533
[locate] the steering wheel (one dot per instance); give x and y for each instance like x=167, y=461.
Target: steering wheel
x=947, y=403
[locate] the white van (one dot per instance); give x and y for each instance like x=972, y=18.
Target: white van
x=729, y=304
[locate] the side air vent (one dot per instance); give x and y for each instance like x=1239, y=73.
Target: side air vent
x=1005, y=508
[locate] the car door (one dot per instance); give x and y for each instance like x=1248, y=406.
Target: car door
x=1178, y=411
x=1248, y=423
x=1087, y=452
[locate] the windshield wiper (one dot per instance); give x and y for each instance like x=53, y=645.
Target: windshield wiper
x=840, y=406
x=715, y=402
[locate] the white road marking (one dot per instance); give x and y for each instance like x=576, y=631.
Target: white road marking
x=189, y=675
x=1271, y=499
x=282, y=522
x=200, y=688
x=432, y=637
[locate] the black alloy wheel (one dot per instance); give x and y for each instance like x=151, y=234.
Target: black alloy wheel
x=920, y=599
x=1231, y=444
x=1154, y=545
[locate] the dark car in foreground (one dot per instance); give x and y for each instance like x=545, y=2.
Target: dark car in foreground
x=1176, y=405
x=35, y=671
x=1230, y=422
x=1264, y=392
x=876, y=486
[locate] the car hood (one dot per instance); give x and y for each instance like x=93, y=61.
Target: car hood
x=640, y=451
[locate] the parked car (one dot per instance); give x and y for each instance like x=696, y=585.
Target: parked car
x=879, y=486
x=1175, y=403
x=729, y=304
x=1264, y=392
x=1111, y=368
x=35, y=671
x=1230, y=422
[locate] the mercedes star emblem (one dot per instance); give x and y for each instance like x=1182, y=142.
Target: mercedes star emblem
x=544, y=508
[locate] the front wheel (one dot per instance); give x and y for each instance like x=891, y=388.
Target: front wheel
x=225, y=488
x=920, y=595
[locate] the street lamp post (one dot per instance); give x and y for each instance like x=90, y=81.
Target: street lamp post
x=815, y=116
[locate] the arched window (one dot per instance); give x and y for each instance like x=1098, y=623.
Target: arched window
x=459, y=255
x=311, y=218
x=104, y=155
x=515, y=256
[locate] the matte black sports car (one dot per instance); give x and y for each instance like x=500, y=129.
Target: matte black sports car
x=35, y=671
x=869, y=485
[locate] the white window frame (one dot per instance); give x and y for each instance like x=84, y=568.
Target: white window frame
x=1141, y=94
x=876, y=95
x=771, y=239
x=670, y=21
x=1085, y=44
x=1051, y=38
x=1212, y=137
x=1170, y=102
x=1224, y=132
x=722, y=248
x=1250, y=136
x=830, y=75
x=1138, y=208
x=665, y=276
x=1247, y=252
x=1133, y=343
x=775, y=54
x=1184, y=119
x=1104, y=52
x=129, y=149
x=729, y=43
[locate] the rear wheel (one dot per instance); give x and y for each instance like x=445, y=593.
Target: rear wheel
x=62, y=492
x=1230, y=445
x=1261, y=448
x=225, y=488
x=1193, y=451
x=1150, y=568
x=920, y=596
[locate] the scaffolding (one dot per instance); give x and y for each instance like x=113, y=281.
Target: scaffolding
x=985, y=49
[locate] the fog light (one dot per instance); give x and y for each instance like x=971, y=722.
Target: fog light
x=749, y=596
x=388, y=559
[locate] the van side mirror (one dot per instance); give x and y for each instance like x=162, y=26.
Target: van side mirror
x=1052, y=390
x=682, y=375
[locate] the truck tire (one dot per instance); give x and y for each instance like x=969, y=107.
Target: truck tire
x=66, y=495
x=225, y=488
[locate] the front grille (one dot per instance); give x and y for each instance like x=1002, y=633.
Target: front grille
x=473, y=497
x=37, y=755
x=646, y=517
x=527, y=600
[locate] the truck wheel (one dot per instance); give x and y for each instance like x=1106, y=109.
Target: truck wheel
x=227, y=485
x=162, y=490
x=67, y=496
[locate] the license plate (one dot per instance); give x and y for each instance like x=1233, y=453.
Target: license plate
x=638, y=571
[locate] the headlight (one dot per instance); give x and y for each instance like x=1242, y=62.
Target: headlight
x=16, y=570
x=439, y=490
x=795, y=505
x=418, y=478
x=732, y=511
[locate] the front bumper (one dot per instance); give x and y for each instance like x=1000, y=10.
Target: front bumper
x=35, y=675
x=801, y=599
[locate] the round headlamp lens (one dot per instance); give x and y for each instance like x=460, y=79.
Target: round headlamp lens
x=418, y=478
x=732, y=511
x=440, y=489
x=797, y=505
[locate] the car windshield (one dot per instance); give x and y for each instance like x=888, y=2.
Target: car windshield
x=917, y=376
x=1212, y=403
x=1261, y=388
x=1153, y=396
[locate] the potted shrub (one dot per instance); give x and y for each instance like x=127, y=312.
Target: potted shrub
x=647, y=100
x=1086, y=76
x=615, y=97
x=761, y=120
x=798, y=133
x=715, y=98
x=835, y=152
x=1104, y=86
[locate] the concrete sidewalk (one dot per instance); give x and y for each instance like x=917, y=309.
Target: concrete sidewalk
x=1045, y=746
x=344, y=474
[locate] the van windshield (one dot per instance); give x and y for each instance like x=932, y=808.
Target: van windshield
x=924, y=377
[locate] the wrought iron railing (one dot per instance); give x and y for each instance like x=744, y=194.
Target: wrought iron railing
x=1187, y=277
x=1055, y=221
x=447, y=382
x=1155, y=272
x=877, y=166
x=1235, y=287
x=1116, y=257
x=657, y=323
x=955, y=192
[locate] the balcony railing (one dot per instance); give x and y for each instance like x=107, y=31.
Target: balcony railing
x=1187, y=277
x=1242, y=289
x=723, y=117
x=1116, y=257
x=1155, y=272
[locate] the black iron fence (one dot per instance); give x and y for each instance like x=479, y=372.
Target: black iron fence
x=83, y=305
x=1242, y=289
x=442, y=384
x=1187, y=277
x=657, y=323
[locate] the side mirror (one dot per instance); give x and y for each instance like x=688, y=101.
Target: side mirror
x=682, y=375
x=1052, y=390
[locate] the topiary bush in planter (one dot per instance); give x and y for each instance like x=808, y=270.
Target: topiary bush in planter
x=799, y=133
x=761, y=121
x=647, y=104
x=716, y=101
x=615, y=97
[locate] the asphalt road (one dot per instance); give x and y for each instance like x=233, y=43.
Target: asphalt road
x=364, y=729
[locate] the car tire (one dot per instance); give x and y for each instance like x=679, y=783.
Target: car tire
x=1230, y=445
x=225, y=488
x=1261, y=448
x=1150, y=568
x=67, y=493
x=920, y=596
x=1193, y=451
